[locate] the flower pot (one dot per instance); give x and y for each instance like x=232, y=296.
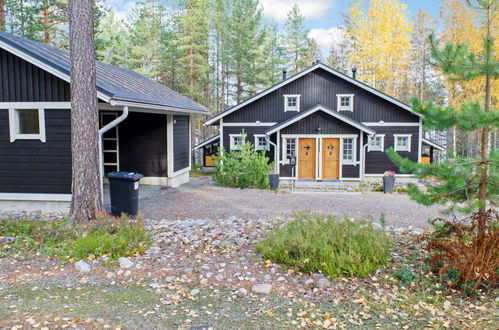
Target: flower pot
x=388, y=184
x=274, y=181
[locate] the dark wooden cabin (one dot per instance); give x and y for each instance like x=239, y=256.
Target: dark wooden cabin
x=334, y=126
x=152, y=137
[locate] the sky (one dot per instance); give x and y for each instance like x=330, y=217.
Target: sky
x=322, y=17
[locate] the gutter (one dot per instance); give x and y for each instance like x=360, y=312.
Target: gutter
x=103, y=130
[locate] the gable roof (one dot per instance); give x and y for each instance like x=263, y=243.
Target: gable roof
x=207, y=141
x=114, y=85
x=316, y=108
x=314, y=67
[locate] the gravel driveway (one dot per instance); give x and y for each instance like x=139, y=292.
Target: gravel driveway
x=202, y=199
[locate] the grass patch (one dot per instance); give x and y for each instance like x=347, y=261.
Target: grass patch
x=313, y=242
x=113, y=237
x=198, y=172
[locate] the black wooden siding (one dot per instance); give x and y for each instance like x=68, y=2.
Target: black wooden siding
x=181, y=146
x=321, y=87
x=250, y=136
x=142, y=138
x=327, y=123
x=377, y=162
x=30, y=166
x=20, y=81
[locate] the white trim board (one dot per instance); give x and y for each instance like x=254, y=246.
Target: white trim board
x=301, y=74
x=202, y=144
x=35, y=197
x=392, y=123
x=330, y=112
x=248, y=124
x=36, y=105
x=432, y=144
x=14, y=126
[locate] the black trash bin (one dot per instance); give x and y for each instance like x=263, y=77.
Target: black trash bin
x=124, y=190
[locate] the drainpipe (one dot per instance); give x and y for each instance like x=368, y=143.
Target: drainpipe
x=363, y=169
x=103, y=130
x=276, y=160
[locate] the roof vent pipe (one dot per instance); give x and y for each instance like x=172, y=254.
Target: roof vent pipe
x=284, y=74
x=354, y=73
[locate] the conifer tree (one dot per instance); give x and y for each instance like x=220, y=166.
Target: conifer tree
x=471, y=184
x=297, y=39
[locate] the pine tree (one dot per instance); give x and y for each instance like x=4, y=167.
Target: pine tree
x=2, y=15
x=111, y=43
x=297, y=39
x=470, y=183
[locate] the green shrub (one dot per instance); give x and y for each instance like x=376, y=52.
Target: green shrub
x=336, y=247
x=242, y=168
x=114, y=237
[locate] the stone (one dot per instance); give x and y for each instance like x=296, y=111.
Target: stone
x=204, y=281
x=219, y=277
x=323, y=283
x=194, y=292
x=267, y=277
x=309, y=281
x=128, y=272
x=82, y=266
x=280, y=279
x=261, y=288
x=125, y=262
x=109, y=275
x=241, y=292
x=8, y=239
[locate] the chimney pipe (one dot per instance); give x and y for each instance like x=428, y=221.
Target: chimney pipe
x=354, y=73
x=284, y=74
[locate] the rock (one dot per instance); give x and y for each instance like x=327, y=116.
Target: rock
x=125, y=262
x=128, y=272
x=309, y=281
x=120, y=272
x=8, y=239
x=318, y=275
x=219, y=277
x=194, y=292
x=82, y=266
x=267, y=277
x=109, y=275
x=323, y=283
x=280, y=279
x=204, y=281
x=241, y=292
x=261, y=288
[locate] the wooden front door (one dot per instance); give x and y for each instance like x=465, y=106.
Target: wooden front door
x=330, y=159
x=306, y=158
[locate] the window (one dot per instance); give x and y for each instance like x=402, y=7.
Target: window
x=377, y=143
x=345, y=102
x=402, y=142
x=348, y=150
x=291, y=102
x=27, y=124
x=290, y=147
x=236, y=140
x=261, y=142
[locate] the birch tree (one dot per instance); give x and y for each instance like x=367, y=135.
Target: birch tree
x=85, y=188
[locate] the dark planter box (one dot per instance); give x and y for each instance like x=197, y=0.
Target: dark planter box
x=274, y=181
x=388, y=184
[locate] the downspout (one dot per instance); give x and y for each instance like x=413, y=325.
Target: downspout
x=103, y=130
x=276, y=160
x=363, y=169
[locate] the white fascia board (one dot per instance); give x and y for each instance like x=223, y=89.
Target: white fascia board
x=35, y=197
x=301, y=74
x=137, y=106
x=432, y=144
x=46, y=67
x=35, y=105
x=379, y=123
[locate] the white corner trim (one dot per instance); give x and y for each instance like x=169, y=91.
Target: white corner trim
x=371, y=139
x=35, y=197
x=409, y=140
x=287, y=107
x=301, y=74
x=182, y=171
x=14, y=126
x=343, y=108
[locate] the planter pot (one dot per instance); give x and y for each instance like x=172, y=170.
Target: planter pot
x=274, y=181
x=388, y=184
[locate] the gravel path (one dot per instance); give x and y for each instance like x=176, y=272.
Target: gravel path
x=202, y=199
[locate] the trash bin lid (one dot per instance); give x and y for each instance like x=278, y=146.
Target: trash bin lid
x=127, y=176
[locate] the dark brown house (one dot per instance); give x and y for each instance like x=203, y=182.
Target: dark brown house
x=145, y=127
x=334, y=126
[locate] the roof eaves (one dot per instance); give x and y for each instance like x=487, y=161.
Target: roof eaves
x=205, y=142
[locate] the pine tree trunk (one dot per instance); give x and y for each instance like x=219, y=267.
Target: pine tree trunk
x=46, y=31
x=86, y=199
x=2, y=15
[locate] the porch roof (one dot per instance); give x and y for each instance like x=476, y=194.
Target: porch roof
x=206, y=142
x=432, y=144
x=320, y=107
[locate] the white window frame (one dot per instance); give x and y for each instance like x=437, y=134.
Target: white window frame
x=371, y=147
x=288, y=108
x=344, y=108
x=285, y=159
x=352, y=161
x=395, y=142
x=14, y=125
x=257, y=145
x=233, y=146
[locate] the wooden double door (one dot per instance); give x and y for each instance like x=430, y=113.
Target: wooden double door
x=308, y=157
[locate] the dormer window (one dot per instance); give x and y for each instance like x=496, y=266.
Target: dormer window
x=292, y=102
x=345, y=102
